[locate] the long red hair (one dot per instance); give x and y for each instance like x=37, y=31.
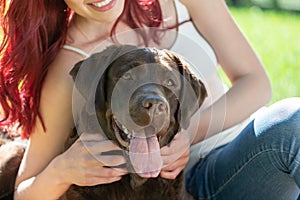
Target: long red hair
x=33, y=33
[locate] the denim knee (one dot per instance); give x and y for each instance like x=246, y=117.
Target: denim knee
x=282, y=119
x=270, y=143
x=278, y=129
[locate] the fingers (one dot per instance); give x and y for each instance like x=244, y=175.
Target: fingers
x=88, y=174
x=100, y=146
x=179, y=142
x=104, y=172
x=172, y=170
x=175, y=156
x=99, y=180
x=105, y=152
x=111, y=161
x=93, y=140
x=97, y=160
x=178, y=148
x=179, y=163
x=100, y=175
x=170, y=174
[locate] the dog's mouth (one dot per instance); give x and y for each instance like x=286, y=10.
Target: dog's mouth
x=124, y=136
x=143, y=147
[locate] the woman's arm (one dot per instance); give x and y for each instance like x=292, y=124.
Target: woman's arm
x=250, y=85
x=46, y=172
x=37, y=175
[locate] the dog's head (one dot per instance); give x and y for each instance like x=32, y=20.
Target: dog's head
x=142, y=99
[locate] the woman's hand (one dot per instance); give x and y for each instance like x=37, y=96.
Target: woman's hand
x=175, y=156
x=84, y=163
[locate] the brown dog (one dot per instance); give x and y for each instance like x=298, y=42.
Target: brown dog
x=11, y=154
x=143, y=98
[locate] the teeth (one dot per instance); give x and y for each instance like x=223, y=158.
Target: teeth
x=102, y=3
x=123, y=128
x=126, y=131
x=121, y=141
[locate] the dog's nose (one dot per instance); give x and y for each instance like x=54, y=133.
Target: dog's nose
x=155, y=102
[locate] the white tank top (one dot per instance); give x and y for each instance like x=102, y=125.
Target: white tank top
x=191, y=45
x=195, y=49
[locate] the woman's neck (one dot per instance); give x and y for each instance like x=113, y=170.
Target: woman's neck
x=87, y=34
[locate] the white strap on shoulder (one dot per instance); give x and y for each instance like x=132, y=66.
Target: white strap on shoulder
x=77, y=50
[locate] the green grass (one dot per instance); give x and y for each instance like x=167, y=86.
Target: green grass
x=275, y=36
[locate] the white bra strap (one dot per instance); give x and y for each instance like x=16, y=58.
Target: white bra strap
x=77, y=50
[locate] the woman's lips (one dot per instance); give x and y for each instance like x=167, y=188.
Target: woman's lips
x=103, y=6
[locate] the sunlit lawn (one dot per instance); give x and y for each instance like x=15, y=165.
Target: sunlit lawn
x=275, y=37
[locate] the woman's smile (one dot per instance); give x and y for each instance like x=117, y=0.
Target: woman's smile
x=103, y=5
x=98, y=10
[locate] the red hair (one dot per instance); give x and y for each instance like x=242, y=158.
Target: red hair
x=33, y=33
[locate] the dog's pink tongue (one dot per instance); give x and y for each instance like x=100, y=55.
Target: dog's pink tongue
x=145, y=156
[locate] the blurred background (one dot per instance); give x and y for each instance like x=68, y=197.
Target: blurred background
x=273, y=29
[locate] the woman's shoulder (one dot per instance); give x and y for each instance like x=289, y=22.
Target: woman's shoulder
x=64, y=62
x=58, y=75
x=56, y=96
x=57, y=88
x=47, y=141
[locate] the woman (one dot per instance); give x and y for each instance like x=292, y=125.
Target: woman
x=44, y=39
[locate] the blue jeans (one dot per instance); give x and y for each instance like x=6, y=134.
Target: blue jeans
x=262, y=163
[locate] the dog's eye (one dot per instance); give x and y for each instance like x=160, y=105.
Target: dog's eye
x=127, y=76
x=170, y=82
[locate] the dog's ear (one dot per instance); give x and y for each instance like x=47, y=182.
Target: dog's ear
x=75, y=69
x=83, y=105
x=192, y=93
x=89, y=78
x=84, y=75
x=87, y=73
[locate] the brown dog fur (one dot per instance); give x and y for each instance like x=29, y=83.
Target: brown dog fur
x=11, y=154
x=131, y=186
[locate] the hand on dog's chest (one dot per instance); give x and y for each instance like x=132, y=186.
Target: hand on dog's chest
x=157, y=110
